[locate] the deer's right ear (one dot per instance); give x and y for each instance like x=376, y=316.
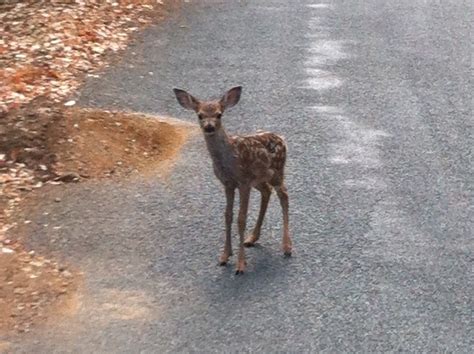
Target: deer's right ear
x=231, y=97
x=186, y=100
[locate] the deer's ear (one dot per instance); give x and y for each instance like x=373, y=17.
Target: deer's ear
x=186, y=100
x=231, y=97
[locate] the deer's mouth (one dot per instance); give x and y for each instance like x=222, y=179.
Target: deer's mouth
x=209, y=130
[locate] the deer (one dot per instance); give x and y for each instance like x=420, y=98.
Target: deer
x=242, y=162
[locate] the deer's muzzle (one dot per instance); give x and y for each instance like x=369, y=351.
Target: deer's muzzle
x=209, y=128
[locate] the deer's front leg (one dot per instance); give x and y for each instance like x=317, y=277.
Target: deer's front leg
x=229, y=194
x=244, y=194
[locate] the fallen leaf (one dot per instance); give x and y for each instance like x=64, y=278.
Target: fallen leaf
x=70, y=103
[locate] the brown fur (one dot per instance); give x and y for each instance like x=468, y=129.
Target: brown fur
x=242, y=162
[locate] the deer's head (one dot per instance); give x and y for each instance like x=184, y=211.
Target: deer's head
x=209, y=112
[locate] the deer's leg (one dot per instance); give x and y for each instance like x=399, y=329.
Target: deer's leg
x=266, y=192
x=229, y=194
x=283, y=196
x=244, y=194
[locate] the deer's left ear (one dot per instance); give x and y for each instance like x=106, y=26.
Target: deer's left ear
x=231, y=97
x=186, y=100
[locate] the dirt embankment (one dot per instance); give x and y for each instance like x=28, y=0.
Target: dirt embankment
x=103, y=143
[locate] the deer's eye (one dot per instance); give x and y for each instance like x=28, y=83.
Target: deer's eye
x=200, y=116
x=219, y=116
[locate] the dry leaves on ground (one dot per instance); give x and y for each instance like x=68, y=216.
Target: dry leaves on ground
x=15, y=179
x=29, y=286
x=47, y=46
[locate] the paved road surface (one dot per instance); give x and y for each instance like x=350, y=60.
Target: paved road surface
x=374, y=98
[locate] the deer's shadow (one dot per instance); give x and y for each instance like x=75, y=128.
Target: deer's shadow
x=267, y=270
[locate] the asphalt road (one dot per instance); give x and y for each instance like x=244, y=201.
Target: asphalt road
x=374, y=98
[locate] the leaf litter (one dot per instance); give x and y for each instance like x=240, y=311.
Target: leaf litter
x=47, y=46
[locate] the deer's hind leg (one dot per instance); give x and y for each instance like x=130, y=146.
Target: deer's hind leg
x=265, y=191
x=283, y=196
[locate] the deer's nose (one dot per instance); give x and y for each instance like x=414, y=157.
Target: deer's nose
x=208, y=128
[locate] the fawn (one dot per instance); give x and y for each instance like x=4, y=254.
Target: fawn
x=242, y=162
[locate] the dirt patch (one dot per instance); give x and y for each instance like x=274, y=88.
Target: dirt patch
x=54, y=143
x=30, y=287
x=93, y=143
x=23, y=137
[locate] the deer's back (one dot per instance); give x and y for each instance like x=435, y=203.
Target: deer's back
x=261, y=157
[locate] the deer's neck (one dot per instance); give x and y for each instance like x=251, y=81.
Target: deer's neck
x=221, y=151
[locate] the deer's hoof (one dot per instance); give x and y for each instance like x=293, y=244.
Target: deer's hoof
x=240, y=267
x=250, y=241
x=287, y=250
x=223, y=260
